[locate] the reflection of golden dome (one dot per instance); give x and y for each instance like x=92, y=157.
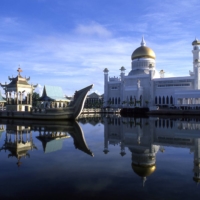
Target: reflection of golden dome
x=196, y=42
x=143, y=171
x=143, y=52
x=197, y=180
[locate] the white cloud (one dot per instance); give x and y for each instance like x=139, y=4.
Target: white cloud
x=93, y=29
x=39, y=89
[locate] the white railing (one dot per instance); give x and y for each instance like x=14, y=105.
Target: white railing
x=99, y=110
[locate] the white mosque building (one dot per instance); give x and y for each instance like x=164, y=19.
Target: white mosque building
x=142, y=89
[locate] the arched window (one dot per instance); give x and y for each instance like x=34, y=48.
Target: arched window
x=156, y=100
x=163, y=100
x=112, y=100
x=171, y=100
x=159, y=123
x=171, y=124
x=119, y=100
x=163, y=123
x=167, y=123
x=116, y=100
x=140, y=100
x=156, y=123
x=167, y=100
x=159, y=100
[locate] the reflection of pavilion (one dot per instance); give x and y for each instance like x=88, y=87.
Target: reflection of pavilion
x=52, y=140
x=1, y=130
x=18, y=142
x=52, y=135
x=144, y=137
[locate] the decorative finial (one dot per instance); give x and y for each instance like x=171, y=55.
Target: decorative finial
x=143, y=43
x=19, y=70
x=105, y=70
x=162, y=73
x=122, y=68
x=143, y=181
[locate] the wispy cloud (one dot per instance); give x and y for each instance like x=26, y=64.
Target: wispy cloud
x=93, y=29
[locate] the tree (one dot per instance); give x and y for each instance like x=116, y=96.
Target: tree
x=124, y=102
x=35, y=98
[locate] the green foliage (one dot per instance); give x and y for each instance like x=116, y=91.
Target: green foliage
x=35, y=98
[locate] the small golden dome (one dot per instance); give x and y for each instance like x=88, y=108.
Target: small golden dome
x=196, y=42
x=143, y=171
x=143, y=52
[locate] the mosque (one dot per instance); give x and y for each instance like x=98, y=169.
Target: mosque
x=142, y=89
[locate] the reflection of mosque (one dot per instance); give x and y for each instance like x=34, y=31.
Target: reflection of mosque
x=145, y=137
x=92, y=119
x=19, y=140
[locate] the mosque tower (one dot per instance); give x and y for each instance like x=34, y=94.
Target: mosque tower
x=105, y=86
x=196, y=63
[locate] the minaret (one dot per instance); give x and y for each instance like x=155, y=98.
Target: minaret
x=196, y=168
x=196, y=63
x=122, y=74
x=105, y=87
x=122, y=69
x=196, y=51
x=106, y=150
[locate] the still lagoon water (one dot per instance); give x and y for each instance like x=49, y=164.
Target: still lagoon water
x=100, y=157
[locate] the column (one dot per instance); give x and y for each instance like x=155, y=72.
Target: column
x=17, y=97
x=27, y=99
x=31, y=99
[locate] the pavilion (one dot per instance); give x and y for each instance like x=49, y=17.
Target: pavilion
x=18, y=93
x=53, y=97
x=2, y=102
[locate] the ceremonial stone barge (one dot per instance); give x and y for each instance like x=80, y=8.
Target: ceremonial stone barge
x=19, y=102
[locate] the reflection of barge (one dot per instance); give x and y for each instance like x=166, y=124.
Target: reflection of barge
x=19, y=137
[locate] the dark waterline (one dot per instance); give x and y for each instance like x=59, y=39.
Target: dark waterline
x=160, y=162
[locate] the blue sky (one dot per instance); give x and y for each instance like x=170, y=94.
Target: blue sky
x=68, y=43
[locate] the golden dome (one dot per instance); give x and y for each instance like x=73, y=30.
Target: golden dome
x=143, y=171
x=143, y=52
x=196, y=42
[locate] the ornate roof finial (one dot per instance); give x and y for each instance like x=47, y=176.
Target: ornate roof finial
x=143, y=43
x=19, y=70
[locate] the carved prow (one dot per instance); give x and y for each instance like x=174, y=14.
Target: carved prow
x=79, y=100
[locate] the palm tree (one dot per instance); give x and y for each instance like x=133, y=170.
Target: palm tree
x=147, y=102
x=124, y=102
x=138, y=102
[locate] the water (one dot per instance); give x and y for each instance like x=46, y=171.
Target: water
x=101, y=158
